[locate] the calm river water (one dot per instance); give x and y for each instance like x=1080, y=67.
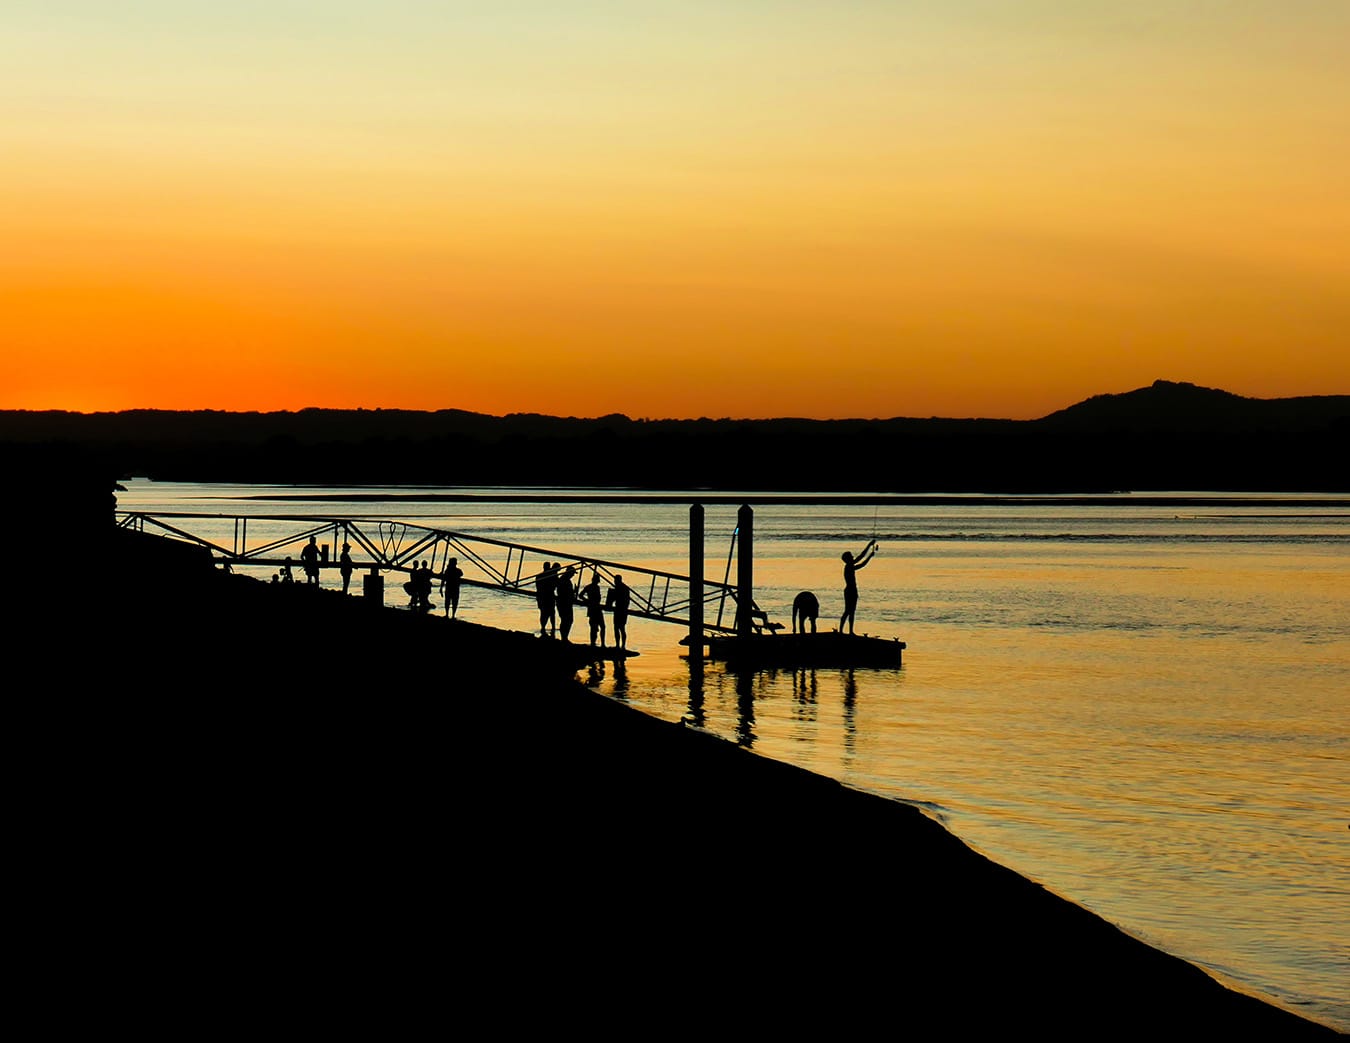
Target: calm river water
x=1144, y=708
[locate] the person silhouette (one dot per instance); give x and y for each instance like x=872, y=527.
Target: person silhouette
x=543, y=596
x=418, y=588
x=851, y=566
x=309, y=560
x=450, y=586
x=618, y=600
x=595, y=612
x=345, y=566
x=424, y=586
x=564, y=596
x=805, y=606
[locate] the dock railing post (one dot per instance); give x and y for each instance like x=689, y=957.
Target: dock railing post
x=696, y=581
x=745, y=570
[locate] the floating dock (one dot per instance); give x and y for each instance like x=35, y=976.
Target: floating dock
x=392, y=546
x=803, y=650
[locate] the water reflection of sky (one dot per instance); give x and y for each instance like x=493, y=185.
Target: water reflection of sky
x=1142, y=707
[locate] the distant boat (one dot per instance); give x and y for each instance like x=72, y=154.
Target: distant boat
x=806, y=650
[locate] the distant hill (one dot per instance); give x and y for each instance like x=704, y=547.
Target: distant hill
x=1168, y=406
x=1166, y=436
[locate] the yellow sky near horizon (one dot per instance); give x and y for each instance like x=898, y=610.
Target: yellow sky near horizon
x=981, y=207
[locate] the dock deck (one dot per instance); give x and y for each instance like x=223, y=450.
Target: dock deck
x=804, y=650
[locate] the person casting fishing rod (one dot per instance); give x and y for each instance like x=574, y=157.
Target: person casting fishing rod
x=851, y=566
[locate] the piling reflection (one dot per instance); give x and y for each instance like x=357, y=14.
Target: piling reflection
x=850, y=712
x=695, y=714
x=723, y=698
x=745, y=708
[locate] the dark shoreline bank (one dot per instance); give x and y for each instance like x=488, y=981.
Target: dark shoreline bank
x=273, y=786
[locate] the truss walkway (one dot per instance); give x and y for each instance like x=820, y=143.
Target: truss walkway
x=393, y=546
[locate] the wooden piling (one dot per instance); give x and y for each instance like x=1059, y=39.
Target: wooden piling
x=745, y=570
x=696, y=581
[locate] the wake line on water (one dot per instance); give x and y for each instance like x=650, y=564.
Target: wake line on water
x=1068, y=537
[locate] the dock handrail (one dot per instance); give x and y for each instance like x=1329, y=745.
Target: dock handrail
x=397, y=546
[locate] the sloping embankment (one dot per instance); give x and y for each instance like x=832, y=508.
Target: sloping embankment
x=278, y=792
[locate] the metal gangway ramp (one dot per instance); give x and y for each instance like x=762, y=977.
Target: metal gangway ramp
x=397, y=546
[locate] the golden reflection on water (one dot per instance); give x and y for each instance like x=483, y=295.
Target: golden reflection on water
x=1174, y=761
x=1146, y=713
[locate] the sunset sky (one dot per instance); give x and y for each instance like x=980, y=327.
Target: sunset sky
x=671, y=209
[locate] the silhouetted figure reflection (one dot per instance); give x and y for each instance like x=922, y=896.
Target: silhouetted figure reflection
x=851, y=566
x=620, y=679
x=345, y=566
x=805, y=686
x=309, y=561
x=564, y=597
x=450, y=579
x=805, y=606
x=595, y=611
x=619, y=599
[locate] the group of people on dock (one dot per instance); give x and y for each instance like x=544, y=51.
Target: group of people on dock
x=420, y=582
x=557, y=595
x=310, y=560
x=419, y=586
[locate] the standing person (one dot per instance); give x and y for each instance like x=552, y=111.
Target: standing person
x=564, y=596
x=345, y=566
x=309, y=560
x=419, y=588
x=450, y=586
x=543, y=595
x=851, y=566
x=424, y=586
x=595, y=612
x=618, y=599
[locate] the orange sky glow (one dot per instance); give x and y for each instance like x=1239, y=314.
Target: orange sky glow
x=745, y=208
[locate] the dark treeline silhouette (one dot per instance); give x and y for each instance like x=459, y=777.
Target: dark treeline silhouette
x=1168, y=436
